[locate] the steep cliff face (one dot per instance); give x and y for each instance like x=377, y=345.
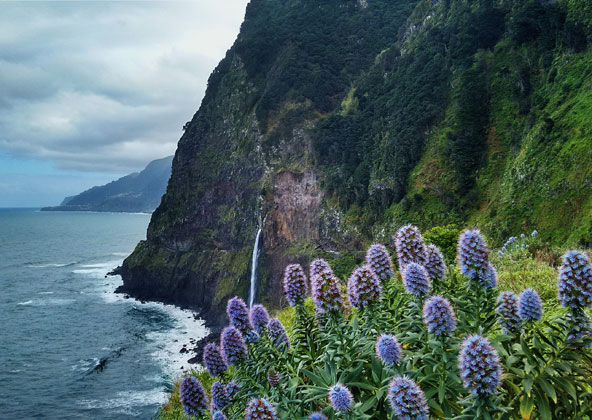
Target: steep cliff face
x=331, y=123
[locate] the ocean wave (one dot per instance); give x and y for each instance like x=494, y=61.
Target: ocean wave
x=28, y=302
x=51, y=265
x=125, y=401
x=47, y=302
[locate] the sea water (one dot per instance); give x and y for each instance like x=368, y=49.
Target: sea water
x=70, y=348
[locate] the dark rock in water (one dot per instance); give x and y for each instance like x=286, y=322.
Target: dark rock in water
x=214, y=335
x=184, y=350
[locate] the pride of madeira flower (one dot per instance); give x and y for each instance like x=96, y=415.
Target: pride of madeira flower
x=220, y=396
x=340, y=397
x=238, y=313
x=434, y=264
x=438, y=316
x=388, y=349
x=193, y=397
x=259, y=409
x=407, y=399
x=410, y=247
x=379, y=260
x=233, y=345
x=531, y=307
x=364, y=286
x=259, y=318
x=508, y=312
x=416, y=280
x=575, y=280
x=213, y=360
x=472, y=254
x=294, y=284
x=479, y=366
x=325, y=291
x=277, y=333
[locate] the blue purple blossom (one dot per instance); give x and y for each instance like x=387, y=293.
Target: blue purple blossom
x=259, y=318
x=434, y=265
x=364, y=286
x=531, y=307
x=379, y=260
x=259, y=409
x=581, y=326
x=325, y=291
x=213, y=360
x=233, y=345
x=489, y=278
x=294, y=284
x=273, y=378
x=472, y=254
x=407, y=399
x=416, y=280
x=353, y=299
x=388, y=349
x=218, y=415
x=238, y=313
x=318, y=416
x=410, y=247
x=508, y=312
x=232, y=387
x=276, y=332
x=340, y=397
x=220, y=398
x=575, y=280
x=193, y=397
x=318, y=266
x=439, y=316
x=479, y=366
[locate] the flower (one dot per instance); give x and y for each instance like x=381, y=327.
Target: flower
x=213, y=360
x=581, y=326
x=273, y=378
x=410, y=248
x=388, y=349
x=340, y=397
x=318, y=266
x=439, y=316
x=434, y=265
x=509, y=312
x=193, y=397
x=489, y=277
x=259, y=318
x=233, y=345
x=238, y=313
x=479, y=365
x=531, y=307
x=220, y=397
x=232, y=387
x=416, y=280
x=318, y=416
x=365, y=286
x=294, y=284
x=472, y=254
x=277, y=332
x=575, y=280
x=379, y=260
x=325, y=291
x=353, y=299
x=407, y=399
x=259, y=409
x=534, y=233
x=218, y=415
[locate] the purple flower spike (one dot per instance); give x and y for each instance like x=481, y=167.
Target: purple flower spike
x=232, y=387
x=508, y=312
x=238, y=313
x=318, y=416
x=581, y=326
x=407, y=399
x=259, y=409
x=319, y=266
x=416, y=280
x=233, y=345
x=410, y=247
x=531, y=307
x=353, y=299
x=220, y=398
x=326, y=293
x=489, y=278
x=193, y=397
x=434, y=265
x=575, y=280
x=277, y=332
x=379, y=260
x=218, y=415
x=439, y=316
x=388, y=349
x=472, y=254
x=365, y=286
x=340, y=397
x=479, y=366
x=213, y=360
x=294, y=284
x=259, y=318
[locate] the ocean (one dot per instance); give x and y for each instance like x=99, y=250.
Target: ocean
x=70, y=348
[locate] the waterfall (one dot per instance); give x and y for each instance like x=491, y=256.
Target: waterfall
x=254, y=259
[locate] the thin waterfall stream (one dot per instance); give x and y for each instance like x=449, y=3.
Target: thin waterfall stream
x=254, y=259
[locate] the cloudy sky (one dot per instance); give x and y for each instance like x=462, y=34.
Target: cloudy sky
x=93, y=90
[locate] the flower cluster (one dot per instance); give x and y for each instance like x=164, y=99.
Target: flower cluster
x=575, y=280
x=318, y=416
x=489, y=278
x=273, y=378
x=435, y=265
x=531, y=307
x=213, y=360
x=379, y=260
x=238, y=313
x=439, y=316
x=193, y=396
x=388, y=349
x=479, y=365
x=326, y=293
x=218, y=415
x=259, y=318
x=410, y=248
x=233, y=345
x=294, y=284
x=508, y=311
x=581, y=326
x=407, y=399
x=472, y=254
x=220, y=398
x=277, y=332
x=259, y=409
x=364, y=286
x=416, y=280
x=340, y=397
x=318, y=266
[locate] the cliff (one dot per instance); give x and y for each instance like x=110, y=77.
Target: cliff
x=330, y=124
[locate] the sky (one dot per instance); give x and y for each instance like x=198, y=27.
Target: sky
x=93, y=90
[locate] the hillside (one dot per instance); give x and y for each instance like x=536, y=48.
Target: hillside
x=330, y=125
x=136, y=192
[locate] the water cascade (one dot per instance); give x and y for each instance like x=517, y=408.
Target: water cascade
x=254, y=259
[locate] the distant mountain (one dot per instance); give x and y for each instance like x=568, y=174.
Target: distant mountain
x=136, y=192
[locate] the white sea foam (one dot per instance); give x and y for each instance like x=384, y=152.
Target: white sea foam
x=28, y=302
x=125, y=401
